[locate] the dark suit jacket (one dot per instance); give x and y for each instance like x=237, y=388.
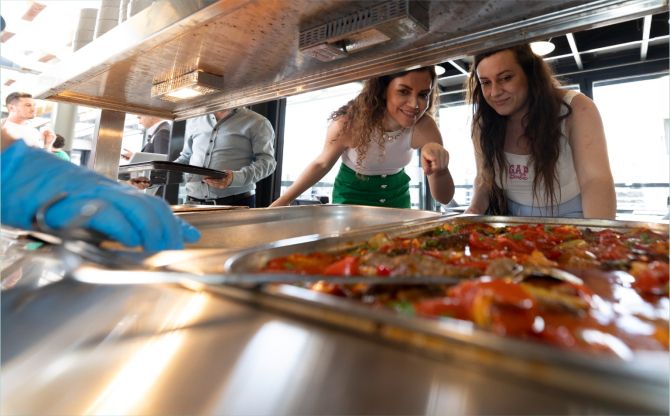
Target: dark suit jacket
x=160, y=141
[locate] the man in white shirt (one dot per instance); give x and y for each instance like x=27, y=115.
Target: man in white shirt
x=22, y=107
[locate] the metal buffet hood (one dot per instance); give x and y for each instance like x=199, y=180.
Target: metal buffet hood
x=255, y=46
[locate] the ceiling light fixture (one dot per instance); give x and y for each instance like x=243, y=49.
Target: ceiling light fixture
x=439, y=70
x=542, y=47
x=185, y=82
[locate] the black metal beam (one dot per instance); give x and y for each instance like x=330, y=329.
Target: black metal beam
x=269, y=189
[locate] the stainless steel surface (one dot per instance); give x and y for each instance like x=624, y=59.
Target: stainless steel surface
x=641, y=381
x=254, y=227
x=106, y=143
x=98, y=276
x=254, y=44
x=81, y=349
x=194, y=208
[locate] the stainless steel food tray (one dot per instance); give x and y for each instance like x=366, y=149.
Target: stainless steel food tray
x=641, y=381
x=255, y=227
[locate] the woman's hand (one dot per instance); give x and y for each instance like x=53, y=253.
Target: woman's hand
x=434, y=158
x=281, y=202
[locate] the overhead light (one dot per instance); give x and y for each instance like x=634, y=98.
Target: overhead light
x=184, y=93
x=439, y=70
x=542, y=48
x=184, y=82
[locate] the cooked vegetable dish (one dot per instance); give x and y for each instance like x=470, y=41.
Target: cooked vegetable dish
x=620, y=305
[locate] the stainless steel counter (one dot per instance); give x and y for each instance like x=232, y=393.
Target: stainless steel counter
x=254, y=227
x=168, y=350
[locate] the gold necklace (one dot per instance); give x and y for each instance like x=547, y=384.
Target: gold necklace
x=385, y=135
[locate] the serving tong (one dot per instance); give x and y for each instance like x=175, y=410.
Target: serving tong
x=74, y=244
x=163, y=276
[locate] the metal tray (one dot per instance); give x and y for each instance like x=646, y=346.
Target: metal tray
x=166, y=173
x=254, y=227
x=641, y=381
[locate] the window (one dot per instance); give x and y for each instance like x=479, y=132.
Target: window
x=454, y=123
x=635, y=115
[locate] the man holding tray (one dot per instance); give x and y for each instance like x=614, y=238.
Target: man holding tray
x=239, y=142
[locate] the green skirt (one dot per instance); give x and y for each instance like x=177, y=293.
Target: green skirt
x=390, y=191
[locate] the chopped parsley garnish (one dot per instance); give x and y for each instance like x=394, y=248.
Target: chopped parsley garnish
x=457, y=229
x=289, y=266
x=403, y=307
x=429, y=244
x=548, y=229
x=644, y=237
x=439, y=231
x=516, y=237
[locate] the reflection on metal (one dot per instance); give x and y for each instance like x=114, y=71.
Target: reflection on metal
x=253, y=45
x=253, y=227
x=106, y=143
x=575, y=51
x=63, y=347
x=646, y=31
x=185, y=81
x=127, y=390
x=392, y=20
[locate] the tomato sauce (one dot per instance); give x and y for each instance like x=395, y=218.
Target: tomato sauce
x=621, y=307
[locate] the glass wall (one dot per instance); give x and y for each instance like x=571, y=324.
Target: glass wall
x=454, y=123
x=635, y=115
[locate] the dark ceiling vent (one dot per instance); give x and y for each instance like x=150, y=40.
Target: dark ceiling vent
x=374, y=25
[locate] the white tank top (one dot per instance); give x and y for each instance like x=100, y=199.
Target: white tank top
x=396, y=155
x=519, y=178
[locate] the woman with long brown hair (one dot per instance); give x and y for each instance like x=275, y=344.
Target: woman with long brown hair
x=540, y=150
x=375, y=135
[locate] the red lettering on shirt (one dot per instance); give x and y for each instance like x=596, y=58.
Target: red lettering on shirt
x=519, y=172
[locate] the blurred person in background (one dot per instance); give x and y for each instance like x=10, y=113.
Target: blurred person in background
x=57, y=148
x=22, y=108
x=158, y=136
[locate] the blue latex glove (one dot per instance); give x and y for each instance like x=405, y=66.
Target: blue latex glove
x=31, y=177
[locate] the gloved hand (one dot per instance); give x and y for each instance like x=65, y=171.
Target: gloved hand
x=31, y=177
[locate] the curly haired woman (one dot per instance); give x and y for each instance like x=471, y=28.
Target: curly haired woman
x=540, y=150
x=375, y=135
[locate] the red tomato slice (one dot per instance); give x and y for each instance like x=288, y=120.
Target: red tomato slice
x=654, y=279
x=348, y=266
x=479, y=241
x=441, y=307
x=383, y=270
